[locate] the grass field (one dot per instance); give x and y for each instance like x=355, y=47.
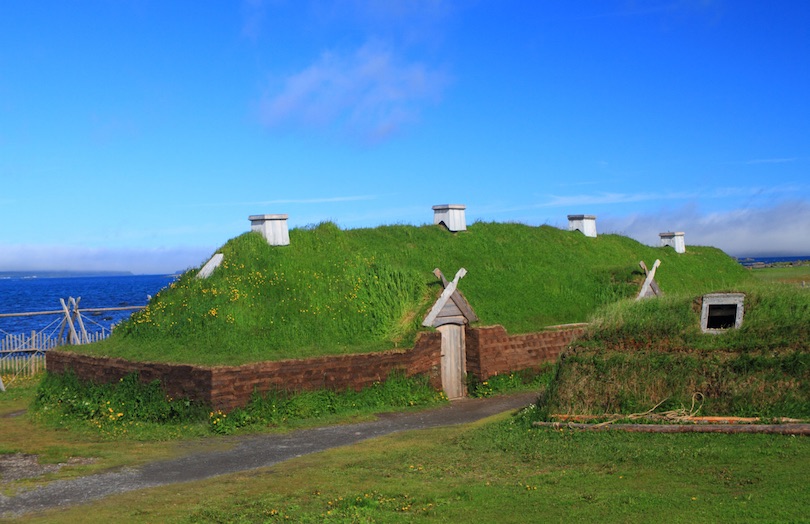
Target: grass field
x=798, y=274
x=499, y=470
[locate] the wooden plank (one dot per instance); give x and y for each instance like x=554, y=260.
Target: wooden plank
x=780, y=429
x=645, y=288
x=440, y=276
x=78, y=318
x=210, y=266
x=685, y=419
x=437, y=307
x=74, y=338
x=61, y=312
x=449, y=310
x=30, y=314
x=453, y=361
x=461, y=302
x=449, y=290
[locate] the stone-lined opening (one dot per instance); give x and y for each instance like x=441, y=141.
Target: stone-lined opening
x=721, y=316
x=721, y=311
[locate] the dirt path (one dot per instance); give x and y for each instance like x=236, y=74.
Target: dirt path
x=250, y=453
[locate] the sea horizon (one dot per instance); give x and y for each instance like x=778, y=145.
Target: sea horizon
x=32, y=293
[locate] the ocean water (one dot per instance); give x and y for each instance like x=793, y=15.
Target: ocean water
x=18, y=295
x=749, y=261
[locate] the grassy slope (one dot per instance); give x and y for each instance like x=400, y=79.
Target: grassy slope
x=637, y=354
x=334, y=291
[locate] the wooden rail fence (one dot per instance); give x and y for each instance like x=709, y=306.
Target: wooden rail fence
x=24, y=355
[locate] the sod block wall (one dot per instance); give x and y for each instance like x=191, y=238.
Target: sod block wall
x=232, y=386
x=179, y=380
x=490, y=351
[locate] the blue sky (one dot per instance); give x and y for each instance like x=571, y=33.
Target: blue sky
x=140, y=135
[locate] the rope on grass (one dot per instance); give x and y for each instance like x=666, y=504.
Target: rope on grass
x=780, y=429
x=681, y=421
x=675, y=415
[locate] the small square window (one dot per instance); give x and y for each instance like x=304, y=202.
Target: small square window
x=721, y=311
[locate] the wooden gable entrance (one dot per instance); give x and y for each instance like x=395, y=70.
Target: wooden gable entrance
x=650, y=287
x=449, y=315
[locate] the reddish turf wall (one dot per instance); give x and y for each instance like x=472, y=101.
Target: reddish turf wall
x=233, y=386
x=179, y=381
x=490, y=351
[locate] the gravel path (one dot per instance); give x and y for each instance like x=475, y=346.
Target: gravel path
x=250, y=453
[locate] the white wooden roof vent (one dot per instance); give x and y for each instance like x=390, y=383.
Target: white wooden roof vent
x=272, y=227
x=451, y=215
x=586, y=224
x=673, y=240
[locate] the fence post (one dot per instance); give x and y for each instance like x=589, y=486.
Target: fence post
x=72, y=337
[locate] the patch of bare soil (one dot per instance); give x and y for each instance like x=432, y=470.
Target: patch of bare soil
x=18, y=466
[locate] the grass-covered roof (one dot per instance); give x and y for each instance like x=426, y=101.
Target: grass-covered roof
x=336, y=291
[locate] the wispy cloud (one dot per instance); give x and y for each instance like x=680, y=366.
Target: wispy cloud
x=669, y=7
x=253, y=12
x=16, y=257
x=771, y=161
x=296, y=201
x=327, y=200
x=774, y=230
x=606, y=199
x=369, y=92
x=761, y=161
x=625, y=198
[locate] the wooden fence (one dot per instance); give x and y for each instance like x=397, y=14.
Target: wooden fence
x=16, y=365
x=36, y=341
x=24, y=355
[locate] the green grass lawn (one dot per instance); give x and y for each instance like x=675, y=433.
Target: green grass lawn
x=793, y=274
x=499, y=470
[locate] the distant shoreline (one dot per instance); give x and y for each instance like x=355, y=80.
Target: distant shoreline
x=757, y=262
x=63, y=274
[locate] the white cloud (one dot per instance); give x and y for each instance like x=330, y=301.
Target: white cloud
x=303, y=201
x=607, y=198
x=253, y=13
x=771, y=161
x=369, y=92
x=17, y=257
x=780, y=229
x=624, y=198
